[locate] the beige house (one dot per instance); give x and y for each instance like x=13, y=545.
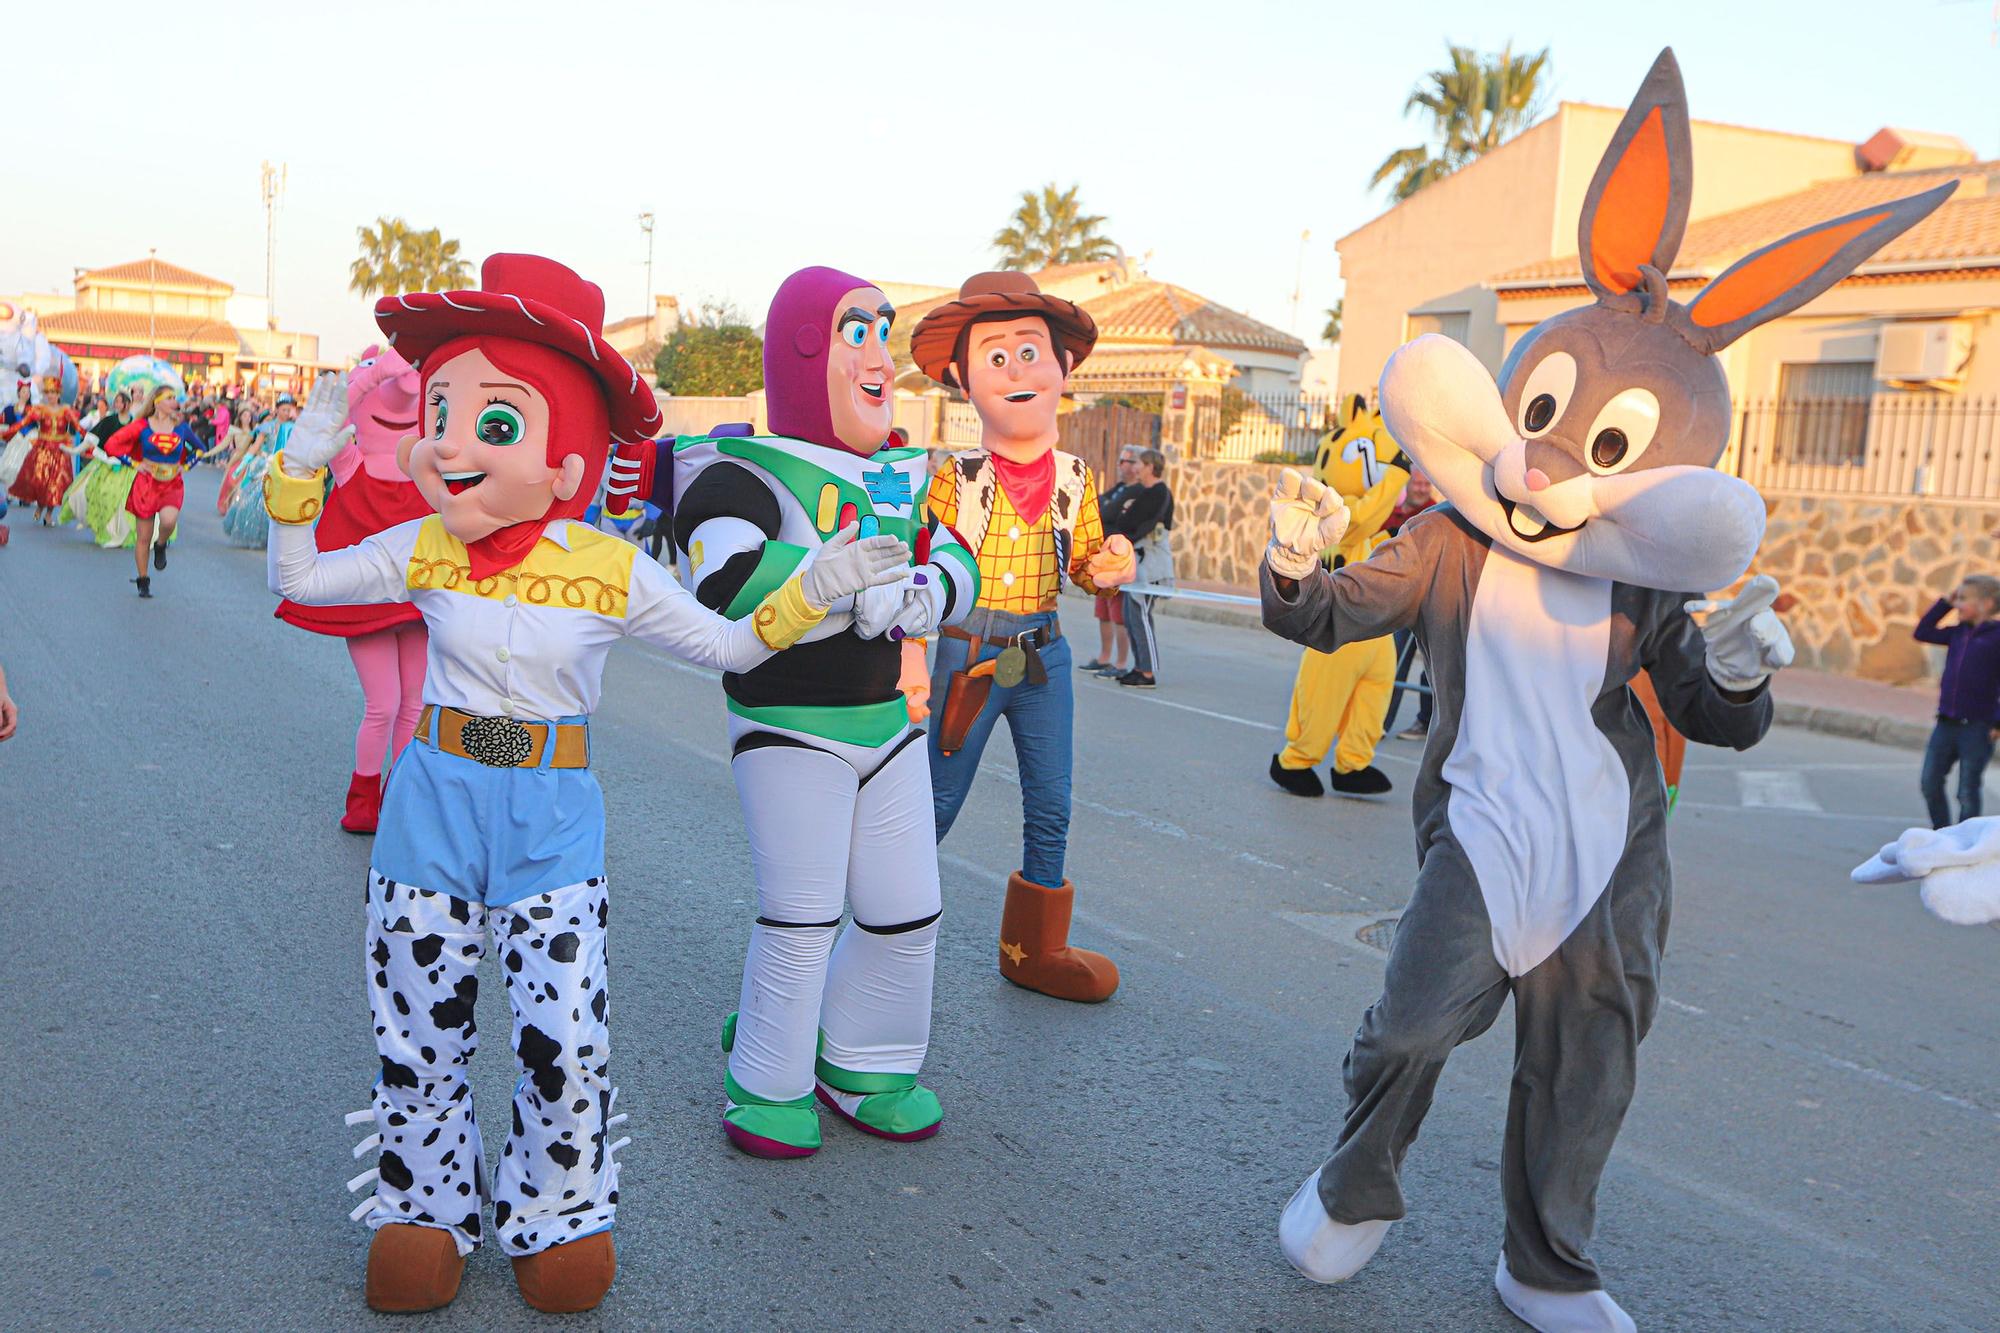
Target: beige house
x=183, y=317
x=639, y=337
x=1440, y=261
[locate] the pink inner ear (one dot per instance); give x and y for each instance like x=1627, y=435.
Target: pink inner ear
x=1633, y=208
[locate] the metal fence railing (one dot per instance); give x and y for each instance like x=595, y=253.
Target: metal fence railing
x=1895, y=444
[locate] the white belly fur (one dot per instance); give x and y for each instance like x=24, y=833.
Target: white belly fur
x=1539, y=799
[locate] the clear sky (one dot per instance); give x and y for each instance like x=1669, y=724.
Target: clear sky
x=890, y=139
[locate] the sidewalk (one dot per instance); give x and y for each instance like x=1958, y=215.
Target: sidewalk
x=1817, y=700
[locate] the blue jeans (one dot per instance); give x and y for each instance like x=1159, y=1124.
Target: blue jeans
x=1041, y=719
x=1970, y=746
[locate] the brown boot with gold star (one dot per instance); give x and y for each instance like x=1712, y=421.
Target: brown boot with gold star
x=1035, y=951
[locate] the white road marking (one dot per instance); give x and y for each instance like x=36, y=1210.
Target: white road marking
x=1140, y=697
x=1776, y=789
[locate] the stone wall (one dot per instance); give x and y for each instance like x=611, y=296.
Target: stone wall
x=1221, y=520
x=1857, y=572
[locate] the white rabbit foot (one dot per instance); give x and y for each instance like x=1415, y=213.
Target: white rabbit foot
x=1560, y=1311
x=1321, y=1248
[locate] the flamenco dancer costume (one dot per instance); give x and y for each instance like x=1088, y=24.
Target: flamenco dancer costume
x=386, y=643
x=493, y=822
x=834, y=780
x=46, y=473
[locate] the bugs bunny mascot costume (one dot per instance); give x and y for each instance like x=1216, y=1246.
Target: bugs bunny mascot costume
x=1583, y=503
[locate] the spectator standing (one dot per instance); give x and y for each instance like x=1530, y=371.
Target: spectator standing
x=1113, y=643
x=1145, y=515
x=1968, y=717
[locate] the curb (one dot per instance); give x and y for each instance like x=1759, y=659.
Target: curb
x=1854, y=726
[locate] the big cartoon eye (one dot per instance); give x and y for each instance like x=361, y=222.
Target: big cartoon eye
x=882, y=330
x=364, y=363
x=1622, y=431
x=854, y=333
x=1029, y=354
x=500, y=423
x=1546, y=393
x=997, y=358
x=437, y=420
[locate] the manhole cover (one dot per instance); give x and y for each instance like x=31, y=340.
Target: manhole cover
x=1378, y=934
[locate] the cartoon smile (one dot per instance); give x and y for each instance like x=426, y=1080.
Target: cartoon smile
x=387, y=424
x=873, y=389
x=460, y=482
x=1529, y=524
x=1023, y=396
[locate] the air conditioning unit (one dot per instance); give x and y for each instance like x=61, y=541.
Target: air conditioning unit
x=1931, y=352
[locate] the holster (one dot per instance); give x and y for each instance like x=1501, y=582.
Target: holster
x=962, y=705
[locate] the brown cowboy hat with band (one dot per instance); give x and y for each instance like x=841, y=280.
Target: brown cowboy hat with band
x=934, y=343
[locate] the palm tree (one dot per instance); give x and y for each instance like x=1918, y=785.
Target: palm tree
x=1475, y=104
x=376, y=272
x=1051, y=228
x=1331, y=333
x=395, y=258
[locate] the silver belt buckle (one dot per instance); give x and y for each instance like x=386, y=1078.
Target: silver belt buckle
x=497, y=742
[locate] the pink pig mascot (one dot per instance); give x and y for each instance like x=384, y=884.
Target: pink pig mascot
x=387, y=642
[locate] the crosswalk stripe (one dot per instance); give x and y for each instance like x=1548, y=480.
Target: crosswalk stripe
x=1776, y=789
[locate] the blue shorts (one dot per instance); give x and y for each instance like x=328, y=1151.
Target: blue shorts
x=488, y=835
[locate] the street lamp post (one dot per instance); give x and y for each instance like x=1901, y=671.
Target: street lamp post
x=646, y=226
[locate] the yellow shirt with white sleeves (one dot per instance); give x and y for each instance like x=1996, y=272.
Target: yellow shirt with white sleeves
x=530, y=642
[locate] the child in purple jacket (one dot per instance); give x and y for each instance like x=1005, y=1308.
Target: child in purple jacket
x=1968, y=720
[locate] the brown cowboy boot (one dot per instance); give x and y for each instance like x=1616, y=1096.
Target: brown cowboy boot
x=1034, y=945
x=412, y=1268
x=570, y=1278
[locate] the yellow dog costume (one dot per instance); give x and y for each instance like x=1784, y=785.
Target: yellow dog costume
x=1346, y=693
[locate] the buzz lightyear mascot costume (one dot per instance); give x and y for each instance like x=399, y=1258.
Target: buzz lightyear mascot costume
x=834, y=778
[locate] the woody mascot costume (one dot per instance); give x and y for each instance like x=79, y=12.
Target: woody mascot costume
x=1344, y=694
x=1030, y=512
x=492, y=828
x=834, y=778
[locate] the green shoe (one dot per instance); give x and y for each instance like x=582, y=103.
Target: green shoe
x=892, y=1106
x=761, y=1127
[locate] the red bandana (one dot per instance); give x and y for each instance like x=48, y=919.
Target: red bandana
x=498, y=552
x=1030, y=486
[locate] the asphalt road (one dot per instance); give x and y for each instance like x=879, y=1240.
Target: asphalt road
x=1815, y=1145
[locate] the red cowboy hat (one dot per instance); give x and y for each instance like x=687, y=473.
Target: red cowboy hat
x=536, y=300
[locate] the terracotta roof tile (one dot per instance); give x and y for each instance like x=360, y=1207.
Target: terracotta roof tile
x=160, y=271
x=130, y=327
x=1966, y=227
x=1151, y=311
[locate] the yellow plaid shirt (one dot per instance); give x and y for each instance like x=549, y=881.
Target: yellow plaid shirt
x=1017, y=560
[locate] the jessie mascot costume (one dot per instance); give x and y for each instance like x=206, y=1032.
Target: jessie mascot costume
x=492, y=826
x=387, y=642
x=1345, y=693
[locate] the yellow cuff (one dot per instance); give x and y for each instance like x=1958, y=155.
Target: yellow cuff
x=289, y=499
x=784, y=616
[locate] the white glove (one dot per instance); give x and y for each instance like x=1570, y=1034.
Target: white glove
x=1306, y=518
x=318, y=433
x=843, y=566
x=907, y=609
x=1746, y=640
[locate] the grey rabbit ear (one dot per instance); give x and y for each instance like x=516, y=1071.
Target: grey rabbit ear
x=1784, y=275
x=1637, y=205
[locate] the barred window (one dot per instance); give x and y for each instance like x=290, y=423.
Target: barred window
x=1823, y=411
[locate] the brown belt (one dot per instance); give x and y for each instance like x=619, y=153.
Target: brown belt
x=1040, y=637
x=501, y=742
